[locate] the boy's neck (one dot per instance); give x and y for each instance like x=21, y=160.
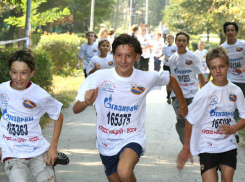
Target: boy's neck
x=170, y=44
x=200, y=49
x=27, y=86
x=90, y=43
x=182, y=51
x=231, y=41
x=102, y=55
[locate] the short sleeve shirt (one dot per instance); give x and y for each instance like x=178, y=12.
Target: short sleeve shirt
x=185, y=68
x=88, y=51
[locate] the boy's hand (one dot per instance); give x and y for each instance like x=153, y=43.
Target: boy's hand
x=166, y=58
x=97, y=66
x=77, y=66
x=226, y=129
x=182, y=158
x=51, y=156
x=90, y=96
x=238, y=70
x=182, y=112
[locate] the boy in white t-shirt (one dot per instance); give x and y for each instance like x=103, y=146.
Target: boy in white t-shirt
x=146, y=45
x=120, y=102
x=157, y=51
x=87, y=51
x=23, y=103
x=185, y=66
x=236, y=51
x=210, y=126
x=167, y=51
x=201, y=54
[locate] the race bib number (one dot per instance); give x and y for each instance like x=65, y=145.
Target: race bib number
x=15, y=129
x=118, y=119
x=217, y=122
x=184, y=78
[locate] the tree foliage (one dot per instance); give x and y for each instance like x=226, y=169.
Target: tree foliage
x=37, y=18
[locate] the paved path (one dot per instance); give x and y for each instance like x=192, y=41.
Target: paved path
x=157, y=165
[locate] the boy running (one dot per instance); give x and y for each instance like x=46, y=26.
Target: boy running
x=167, y=51
x=87, y=51
x=157, y=51
x=185, y=66
x=23, y=103
x=201, y=54
x=146, y=45
x=210, y=126
x=120, y=102
x=236, y=51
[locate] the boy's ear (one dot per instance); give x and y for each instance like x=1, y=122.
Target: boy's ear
x=32, y=73
x=137, y=58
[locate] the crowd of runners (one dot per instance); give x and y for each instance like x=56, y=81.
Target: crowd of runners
x=206, y=89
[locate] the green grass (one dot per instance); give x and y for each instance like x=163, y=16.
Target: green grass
x=64, y=90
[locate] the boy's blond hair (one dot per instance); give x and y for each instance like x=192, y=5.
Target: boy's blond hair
x=218, y=52
x=169, y=35
x=201, y=41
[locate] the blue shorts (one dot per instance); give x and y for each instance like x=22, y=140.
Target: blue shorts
x=111, y=162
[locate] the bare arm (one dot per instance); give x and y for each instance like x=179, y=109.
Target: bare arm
x=97, y=66
x=185, y=152
x=79, y=62
x=52, y=154
x=178, y=92
x=90, y=97
x=228, y=130
x=201, y=79
x=239, y=70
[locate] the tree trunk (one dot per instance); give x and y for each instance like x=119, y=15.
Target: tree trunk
x=222, y=37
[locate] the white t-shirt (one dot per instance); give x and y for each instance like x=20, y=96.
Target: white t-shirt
x=185, y=68
x=105, y=63
x=145, y=41
x=236, y=53
x=202, y=56
x=121, y=106
x=88, y=51
x=157, y=47
x=168, y=51
x=213, y=106
x=20, y=132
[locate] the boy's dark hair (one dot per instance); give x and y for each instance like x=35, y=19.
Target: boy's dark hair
x=125, y=39
x=102, y=41
x=89, y=33
x=183, y=33
x=135, y=28
x=23, y=56
x=111, y=31
x=230, y=23
x=218, y=52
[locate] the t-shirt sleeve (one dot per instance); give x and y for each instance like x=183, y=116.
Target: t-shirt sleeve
x=198, y=65
x=197, y=108
x=91, y=65
x=87, y=84
x=52, y=107
x=81, y=52
x=161, y=78
x=240, y=104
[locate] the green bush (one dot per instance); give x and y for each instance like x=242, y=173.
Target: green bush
x=35, y=38
x=209, y=45
x=43, y=75
x=43, y=72
x=4, y=67
x=63, y=50
x=193, y=46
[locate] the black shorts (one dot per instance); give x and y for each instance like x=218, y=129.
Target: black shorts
x=166, y=68
x=211, y=160
x=111, y=162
